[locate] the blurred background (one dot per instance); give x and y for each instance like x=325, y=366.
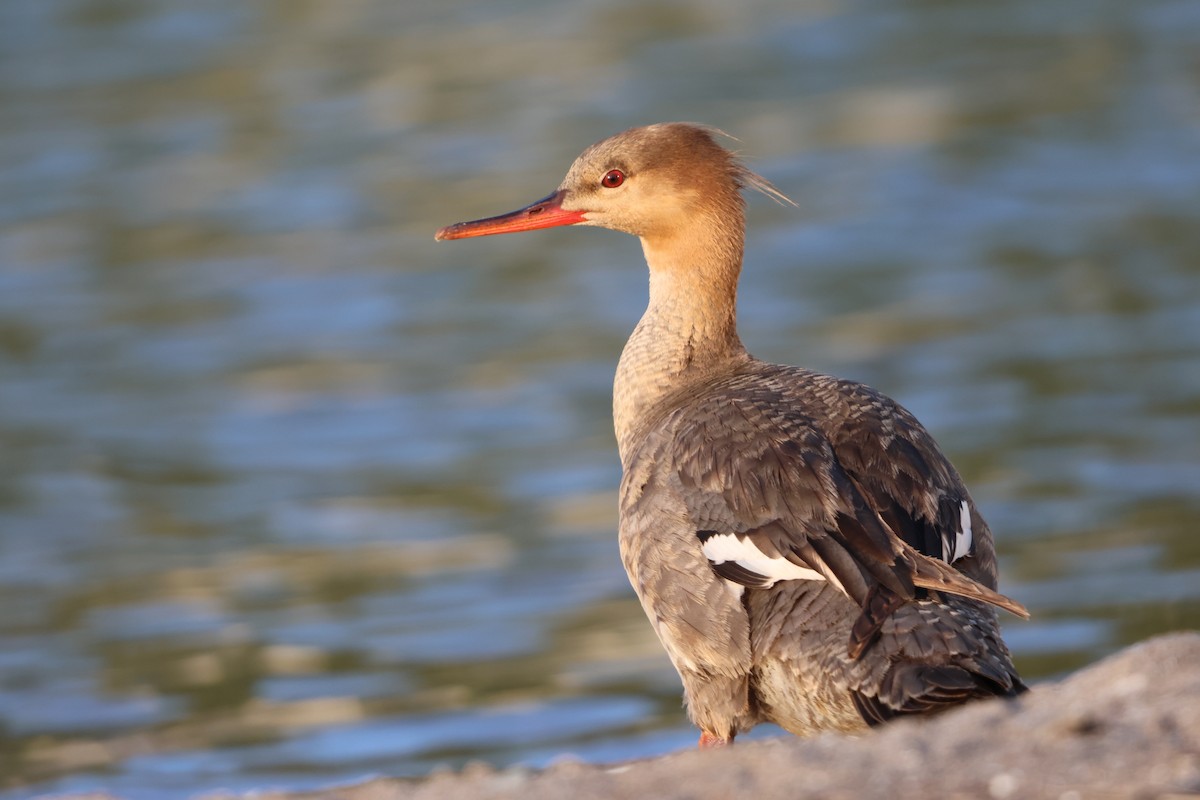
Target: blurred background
x=291, y=496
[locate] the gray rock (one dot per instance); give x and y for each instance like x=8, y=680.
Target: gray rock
x=1128, y=726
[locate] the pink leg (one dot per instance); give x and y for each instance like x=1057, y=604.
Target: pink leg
x=708, y=740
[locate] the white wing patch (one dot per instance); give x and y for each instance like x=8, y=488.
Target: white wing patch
x=722, y=547
x=963, y=540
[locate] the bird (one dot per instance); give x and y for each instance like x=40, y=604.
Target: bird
x=804, y=550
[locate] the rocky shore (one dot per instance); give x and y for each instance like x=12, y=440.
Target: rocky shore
x=1127, y=726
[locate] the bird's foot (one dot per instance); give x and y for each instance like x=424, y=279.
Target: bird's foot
x=708, y=740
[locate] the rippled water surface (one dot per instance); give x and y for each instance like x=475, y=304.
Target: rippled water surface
x=290, y=495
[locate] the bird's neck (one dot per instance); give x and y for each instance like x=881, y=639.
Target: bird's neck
x=689, y=330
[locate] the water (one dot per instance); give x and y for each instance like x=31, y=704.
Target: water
x=290, y=495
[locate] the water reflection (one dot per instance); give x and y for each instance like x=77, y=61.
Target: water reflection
x=290, y=495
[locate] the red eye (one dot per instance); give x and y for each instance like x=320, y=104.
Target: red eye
x=612, y=179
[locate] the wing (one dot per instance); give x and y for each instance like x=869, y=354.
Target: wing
x=778, y=495
x=905, y=479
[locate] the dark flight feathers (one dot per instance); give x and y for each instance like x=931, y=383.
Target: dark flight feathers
x=795, y=493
